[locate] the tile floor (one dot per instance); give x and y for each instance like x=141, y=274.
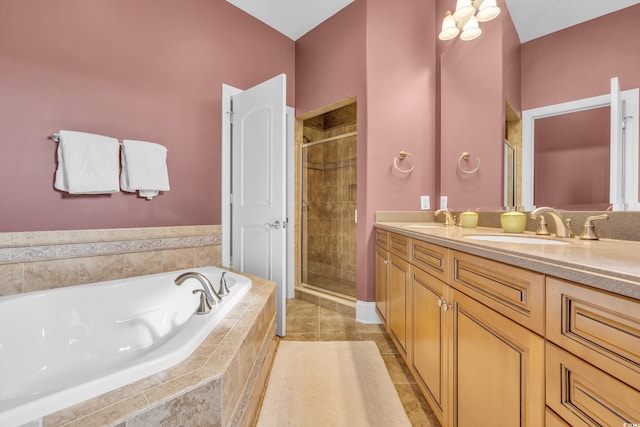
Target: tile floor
x=310, y=322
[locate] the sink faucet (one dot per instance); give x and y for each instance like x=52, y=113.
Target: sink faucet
x=561, y=228
x=212, y=296
x=448, y=218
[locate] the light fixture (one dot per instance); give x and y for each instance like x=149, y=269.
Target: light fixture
x=466, y=17
x=449, y=28
x=471, y=30
x=487, y=11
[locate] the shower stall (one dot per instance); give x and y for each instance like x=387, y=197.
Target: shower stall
x=328, y=196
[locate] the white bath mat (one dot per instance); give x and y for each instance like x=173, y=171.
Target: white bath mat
x=327, y=383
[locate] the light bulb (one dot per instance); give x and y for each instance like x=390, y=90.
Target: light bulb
x=449, y=28
x=471, y=30
x=464, y=10
x=487, y=11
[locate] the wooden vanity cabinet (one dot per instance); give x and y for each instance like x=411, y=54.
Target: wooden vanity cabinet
x=592, y=355
x=382, y=282
x=399, y=292
x=430, y=319
x=494, y=344
x=392, y=286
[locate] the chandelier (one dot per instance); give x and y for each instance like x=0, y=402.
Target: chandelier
x=467, y=15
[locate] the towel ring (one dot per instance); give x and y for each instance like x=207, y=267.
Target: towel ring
x=465, y=156
x=402, y=155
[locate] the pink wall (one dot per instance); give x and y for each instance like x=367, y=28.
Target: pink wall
x=142, y=70
x=566, y=149
x=384, y=53
x=401, y=110
x=472, y=117
x=330, y=66
x=580, y=61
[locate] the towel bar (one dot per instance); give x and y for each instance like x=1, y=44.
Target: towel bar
x=55, y=136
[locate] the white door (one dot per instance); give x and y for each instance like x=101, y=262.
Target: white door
x=258, y=185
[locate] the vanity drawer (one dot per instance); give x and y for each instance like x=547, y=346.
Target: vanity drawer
x=583, y=395
x=399, y=245
x=382, y=239
x=600, y=327
x=512, y=291
x=431, y=258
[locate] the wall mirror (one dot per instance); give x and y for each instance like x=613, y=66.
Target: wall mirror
x=578, y=64
x=573, y=158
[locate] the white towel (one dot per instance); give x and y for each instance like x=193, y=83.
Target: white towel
x=87, y=163
x=144, y=168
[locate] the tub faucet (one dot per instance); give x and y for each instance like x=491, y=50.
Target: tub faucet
x=448, y=218
x=223, y=290
x=212, y=296
x=562, y=230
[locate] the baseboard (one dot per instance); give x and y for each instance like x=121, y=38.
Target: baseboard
x=366, y=312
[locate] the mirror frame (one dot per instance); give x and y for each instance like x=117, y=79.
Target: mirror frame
x=626, y=184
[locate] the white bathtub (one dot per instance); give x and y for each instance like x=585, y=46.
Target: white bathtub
x=64, y=346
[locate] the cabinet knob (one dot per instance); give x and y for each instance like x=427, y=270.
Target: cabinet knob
x=443, y=304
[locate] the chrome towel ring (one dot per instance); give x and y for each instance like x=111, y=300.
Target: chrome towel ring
x=402, y=156
x=465, y=156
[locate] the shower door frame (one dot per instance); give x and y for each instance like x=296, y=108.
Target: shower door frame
x=298, y=191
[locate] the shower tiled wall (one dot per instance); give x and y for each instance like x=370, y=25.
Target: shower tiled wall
x=32, y=261
x=329, y=187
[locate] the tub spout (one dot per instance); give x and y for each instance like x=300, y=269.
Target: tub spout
x=212, y=295
x=223, y=290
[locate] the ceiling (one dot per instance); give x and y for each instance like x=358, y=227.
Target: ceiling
x=293, y=18
x=533, y=19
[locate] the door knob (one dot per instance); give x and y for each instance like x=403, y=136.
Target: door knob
x=275, y=225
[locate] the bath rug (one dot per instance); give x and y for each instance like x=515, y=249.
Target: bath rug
x=330, y=383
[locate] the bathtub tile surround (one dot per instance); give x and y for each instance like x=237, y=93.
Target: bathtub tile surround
x=218, y=385
x=32, y=261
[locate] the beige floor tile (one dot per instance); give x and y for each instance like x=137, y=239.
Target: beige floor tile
x=383, y=341
x=417, y=408
x=338, y=324
x=310, y=322
x=300, y=337
x=302, y=325
x=397, y=369
x=340, y=336
x=370, y=328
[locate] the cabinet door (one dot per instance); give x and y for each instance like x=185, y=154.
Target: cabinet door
x=429, y=347
x=382, y=282
x=398, y=287
x=585, y=396
x=497, y=373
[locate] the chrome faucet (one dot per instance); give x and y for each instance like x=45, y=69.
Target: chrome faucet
x=562, y=230
x=207, y=290
x=448, y=218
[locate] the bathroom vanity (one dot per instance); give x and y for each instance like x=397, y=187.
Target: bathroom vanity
x=503, y=333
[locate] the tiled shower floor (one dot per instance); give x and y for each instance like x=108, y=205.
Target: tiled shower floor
x=309, y=322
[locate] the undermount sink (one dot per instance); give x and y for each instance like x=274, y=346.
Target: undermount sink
x=516, y=239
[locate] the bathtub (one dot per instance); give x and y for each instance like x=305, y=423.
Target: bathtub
x=64, y=346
